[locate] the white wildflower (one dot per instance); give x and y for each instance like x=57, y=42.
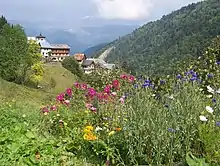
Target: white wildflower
x=218, y=91
x=98, y=129
x=171, y=97
x=203, y=118
x=114, y=93
x=209, y=109
x=209, y=88
x=209, y=96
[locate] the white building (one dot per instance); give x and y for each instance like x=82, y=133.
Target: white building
x=56, y=52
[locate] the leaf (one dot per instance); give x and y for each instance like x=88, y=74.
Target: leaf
x=29, y=134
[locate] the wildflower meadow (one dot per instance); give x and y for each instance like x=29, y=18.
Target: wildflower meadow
x=120, y=119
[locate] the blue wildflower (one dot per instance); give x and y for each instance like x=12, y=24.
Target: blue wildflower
x=171, y=130
x=193, y=78
x=214, y=100
x=191, y=71
x=210, y=75
x=187, y=73
x=166, y=105
x=194, y=74
x=218, y=63
x=147, y=81
x=162, y=82
x=146, y=85
x=217, y=124
x=178, y=76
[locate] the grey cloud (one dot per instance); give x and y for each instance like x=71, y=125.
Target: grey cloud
x=72, y=12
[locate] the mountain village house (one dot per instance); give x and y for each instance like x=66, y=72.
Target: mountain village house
x=56, y=52
x=90, y=64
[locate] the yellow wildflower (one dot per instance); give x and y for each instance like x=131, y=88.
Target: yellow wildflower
x=111, y=133
x=90, y=128
x=89, y=136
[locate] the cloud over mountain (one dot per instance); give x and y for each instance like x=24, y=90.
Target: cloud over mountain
x=124, y=9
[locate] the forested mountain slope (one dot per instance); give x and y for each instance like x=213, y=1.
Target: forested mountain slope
x=155, y=47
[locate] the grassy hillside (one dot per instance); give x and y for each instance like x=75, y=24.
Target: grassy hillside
x=62, y=78
x=158, y=45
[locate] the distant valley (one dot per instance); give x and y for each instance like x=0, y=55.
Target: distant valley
x=88, y=38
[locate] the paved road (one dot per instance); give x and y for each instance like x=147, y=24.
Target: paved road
x=104, y=55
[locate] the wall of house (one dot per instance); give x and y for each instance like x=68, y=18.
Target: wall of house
x=60, y=52
x=45, y=51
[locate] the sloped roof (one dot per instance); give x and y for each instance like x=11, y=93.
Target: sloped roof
x=87, y=62
x=61, y=46
x=44, y=44
x=79, y=56
x=40, y=36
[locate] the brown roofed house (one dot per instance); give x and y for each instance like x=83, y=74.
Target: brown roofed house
x=80, y=57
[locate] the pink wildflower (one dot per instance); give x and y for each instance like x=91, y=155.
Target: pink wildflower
x=77, y=85
x=92, y=92
x=60, y=97
x=93, y=109
x=67, y=102
x=131, y=78
x=122, y=100
x=69, y=92
x=84, y=86
x=45, y=110
x=88, y=106
x=116, y=84
x=123, y=76
x=107, y=89
x=53, y=108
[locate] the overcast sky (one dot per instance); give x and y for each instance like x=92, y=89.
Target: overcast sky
x=68, y=12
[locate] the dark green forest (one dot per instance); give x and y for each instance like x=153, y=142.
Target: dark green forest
x=19, y=60
x=156, y=47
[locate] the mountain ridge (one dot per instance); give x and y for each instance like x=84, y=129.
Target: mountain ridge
x=158, y=45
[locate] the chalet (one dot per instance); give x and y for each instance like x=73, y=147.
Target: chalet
x=88, y=66
x=55, y=52
x=80, y=57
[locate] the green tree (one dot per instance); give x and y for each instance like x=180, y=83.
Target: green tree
x=13, y=51
x=32, y=66
x=73, y=66
x=3, y=21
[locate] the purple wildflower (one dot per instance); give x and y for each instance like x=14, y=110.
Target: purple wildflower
x=166, y=105
x=171, y=130
x=210, y=75
x=162, y=82
x=214, y=100
x=217, y=124
x=178, y=76
x=193, y=78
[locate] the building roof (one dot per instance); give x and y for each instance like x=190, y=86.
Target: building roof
x=60, y=46
x=87, y=62
x=79, y=56
x=96, y=60
x=40, y=36
x=106, y=66
x=44, y=44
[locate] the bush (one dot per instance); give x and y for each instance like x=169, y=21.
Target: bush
x=73, y=66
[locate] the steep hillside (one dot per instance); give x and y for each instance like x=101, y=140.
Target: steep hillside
x=61, y=77
x=156, y=46
x=92, y=50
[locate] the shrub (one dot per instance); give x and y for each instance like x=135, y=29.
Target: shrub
x=73, y=66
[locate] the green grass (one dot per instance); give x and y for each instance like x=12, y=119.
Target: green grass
x=62, y=77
